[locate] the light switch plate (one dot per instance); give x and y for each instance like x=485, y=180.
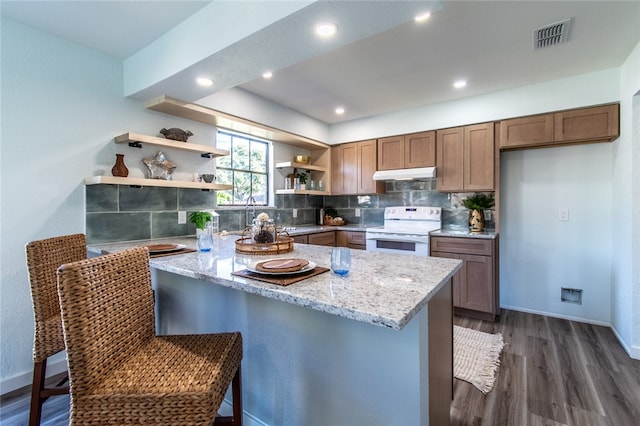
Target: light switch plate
x=182, y=217
x=563, y=214
x=295, y=213
x=357, y=212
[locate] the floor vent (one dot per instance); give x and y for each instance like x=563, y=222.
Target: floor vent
x=551, y=35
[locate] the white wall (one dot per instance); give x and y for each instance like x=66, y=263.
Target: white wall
x=625, y=315
x=62, y=105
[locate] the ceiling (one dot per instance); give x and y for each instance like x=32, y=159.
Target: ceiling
x=380, y=67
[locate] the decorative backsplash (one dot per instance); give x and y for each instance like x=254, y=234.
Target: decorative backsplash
x=122, y=213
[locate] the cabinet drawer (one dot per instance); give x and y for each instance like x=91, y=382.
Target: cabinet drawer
x=323, y=239
x=300, y=239
x=462, y=245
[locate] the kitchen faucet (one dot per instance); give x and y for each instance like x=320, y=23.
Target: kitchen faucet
x=251, y=200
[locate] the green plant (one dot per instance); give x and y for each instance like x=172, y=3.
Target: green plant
x=479, y=201
x=303, y=177
x=330, y=211
x=200, y=219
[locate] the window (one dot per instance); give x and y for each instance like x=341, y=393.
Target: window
x=246, y=168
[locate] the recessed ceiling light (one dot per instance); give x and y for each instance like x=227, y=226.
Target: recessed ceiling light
x=267, y=75
x=204, y=81
x=422, y=17
x=459, y=84
x=326, y=29
x=340, y=110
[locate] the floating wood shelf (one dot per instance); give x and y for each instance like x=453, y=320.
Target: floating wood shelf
x=136, y=140
x=301, y=191
x=301, y=166
x=113, y=180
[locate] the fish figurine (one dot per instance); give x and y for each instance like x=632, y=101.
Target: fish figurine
x=176, y=134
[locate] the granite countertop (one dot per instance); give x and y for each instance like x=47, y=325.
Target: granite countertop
x=464, y=233
x=313, y=229
x=382, y=289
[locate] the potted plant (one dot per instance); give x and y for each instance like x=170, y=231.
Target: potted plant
x=202, y=220
x=477, y=204
x=302, y=177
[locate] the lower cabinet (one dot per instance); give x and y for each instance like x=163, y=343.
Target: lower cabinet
x=352, y=239
x=475, y=287
x=300, y=239
x=322, y=239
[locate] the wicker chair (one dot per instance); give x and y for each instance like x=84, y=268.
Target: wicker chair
x=120, y=371
x=43, y=259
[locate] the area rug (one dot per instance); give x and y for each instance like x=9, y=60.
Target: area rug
x=476, y=357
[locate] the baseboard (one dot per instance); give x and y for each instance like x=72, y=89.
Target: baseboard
x=25, y=379
x=633, y=351
x=554, y=315
x=247, y=419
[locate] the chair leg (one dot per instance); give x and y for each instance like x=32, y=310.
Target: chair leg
x=236, y=401
x=36, y=392
x=236, y=391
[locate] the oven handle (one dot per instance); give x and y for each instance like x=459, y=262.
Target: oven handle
x=398, y=237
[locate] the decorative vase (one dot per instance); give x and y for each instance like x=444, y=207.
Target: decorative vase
x=205, y=237
x=476, y=220
x=119, y=169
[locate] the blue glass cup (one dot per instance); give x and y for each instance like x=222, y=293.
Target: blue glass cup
x=341, y=260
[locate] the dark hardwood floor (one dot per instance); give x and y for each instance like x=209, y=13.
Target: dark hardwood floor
x=552, y=372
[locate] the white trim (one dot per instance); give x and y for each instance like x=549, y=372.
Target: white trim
x=25, y=379
x=633, y=351
x=247, y=419
x=554, y=315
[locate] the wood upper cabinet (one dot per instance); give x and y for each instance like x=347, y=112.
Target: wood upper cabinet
x=581, y=125
x=466, y=158
x=526, y=131
x=352, y=168
x=407, y=151
x=587, y=124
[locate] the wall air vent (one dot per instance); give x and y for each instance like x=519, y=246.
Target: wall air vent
x=551, y=35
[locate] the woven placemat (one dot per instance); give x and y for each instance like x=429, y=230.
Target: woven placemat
x=171, y=253
x=283, y=280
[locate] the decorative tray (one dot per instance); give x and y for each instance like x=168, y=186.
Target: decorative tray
x=246, y=244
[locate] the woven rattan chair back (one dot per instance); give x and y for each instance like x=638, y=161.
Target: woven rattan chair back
x=120, y=371
x=43, y=259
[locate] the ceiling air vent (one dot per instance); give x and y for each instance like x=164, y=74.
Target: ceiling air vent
x=551, y=35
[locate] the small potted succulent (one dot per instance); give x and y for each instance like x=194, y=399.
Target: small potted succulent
x=477, y=204
x=302, y=178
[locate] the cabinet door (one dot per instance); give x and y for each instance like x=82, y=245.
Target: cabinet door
x=391, y=153
x=344, y=169
x=323, y=239
x=367, y=162
x=449, y=159
x=456, y=281
x=420, y=150
x=351, y=239
x=526, y=131
x=300, y=239
x=587, y=124
x=477, y=285
x=479, y=157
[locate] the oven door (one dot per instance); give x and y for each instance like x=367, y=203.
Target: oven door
x=398, y=243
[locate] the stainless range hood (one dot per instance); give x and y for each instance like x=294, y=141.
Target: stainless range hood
x=406, y=174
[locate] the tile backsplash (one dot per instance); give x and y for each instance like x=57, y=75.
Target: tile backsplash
x=121, y=213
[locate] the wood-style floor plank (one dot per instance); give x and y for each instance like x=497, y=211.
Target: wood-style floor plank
x=553, y=372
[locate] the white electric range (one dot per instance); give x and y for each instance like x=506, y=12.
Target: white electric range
x=405, y=231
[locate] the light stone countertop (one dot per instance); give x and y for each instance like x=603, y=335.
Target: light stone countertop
x=464, y=233
x=381, y=289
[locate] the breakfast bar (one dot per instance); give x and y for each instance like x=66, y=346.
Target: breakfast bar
x=373, y=347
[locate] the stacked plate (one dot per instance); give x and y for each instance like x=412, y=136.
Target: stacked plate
x=282, y=266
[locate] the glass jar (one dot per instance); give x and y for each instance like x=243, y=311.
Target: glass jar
x=205, y=237
x=263, y=231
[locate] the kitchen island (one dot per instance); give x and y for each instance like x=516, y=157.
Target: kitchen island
x=365, y=349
